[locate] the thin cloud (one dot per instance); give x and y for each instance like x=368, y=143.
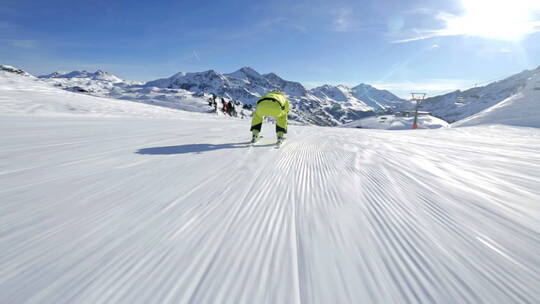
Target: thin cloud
x=315, y=84
x=343, y=20
x=4, y=25
x=502, y=21
x=196, y=55
x=431, y=87
x=19, y=43
x=259, y=29
x=419, y=11
x=23, y=44
x=421, y=37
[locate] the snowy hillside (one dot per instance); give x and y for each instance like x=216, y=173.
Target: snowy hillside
x=393, y=122
x=520, y=109
x=458, y=105
x=25, y=95
x=8, y=69
x=110, y=201
x=103, y=84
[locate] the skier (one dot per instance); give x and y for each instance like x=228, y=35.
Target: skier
x=273, y=104
x=230, y=107
x=212, y=103
x=224, y=107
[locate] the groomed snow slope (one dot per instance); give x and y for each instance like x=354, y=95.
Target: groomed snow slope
x=181, y=210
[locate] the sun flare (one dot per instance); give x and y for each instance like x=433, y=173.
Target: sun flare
x=496, y=19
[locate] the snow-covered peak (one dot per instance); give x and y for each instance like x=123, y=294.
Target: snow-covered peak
x=57, y=74
x=72, y=74
x=338, y=93
x=246, y=73
x=211, y=73
x=374, y=97
x=272, y=77
x=12, y=69
x=190, y=81
x=200, y=76
x=363, y=93
x=100, y=75
x=363, y=86
x=179, y=75
x=97, y=75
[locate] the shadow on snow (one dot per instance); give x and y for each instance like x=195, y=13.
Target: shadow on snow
x=194, y=148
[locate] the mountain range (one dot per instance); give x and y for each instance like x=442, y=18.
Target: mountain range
x=326, y=105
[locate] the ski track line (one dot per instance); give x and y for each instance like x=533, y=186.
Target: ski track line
x=407, y=237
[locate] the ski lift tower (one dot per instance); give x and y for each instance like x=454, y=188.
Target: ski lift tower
x=419, y=98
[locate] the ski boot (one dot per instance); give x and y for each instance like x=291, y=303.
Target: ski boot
x=254, y=138
x=279, y=141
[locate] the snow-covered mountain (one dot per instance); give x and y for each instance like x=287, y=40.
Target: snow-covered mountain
x=340, y=94
x=376, y=98
x=13, y=70
x=364, y=96
x=520, y=109
x=245, y=85
x=98, y=75
x=103, y=84
x=325, y=105
x=458, y=105
x=97, y=83
x=23, y=94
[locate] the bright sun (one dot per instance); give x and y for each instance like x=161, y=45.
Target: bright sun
x=496, y=19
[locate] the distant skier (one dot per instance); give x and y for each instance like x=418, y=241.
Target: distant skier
x=224, y=108
x=273, y=104
x=232, y=110
x=212, y=103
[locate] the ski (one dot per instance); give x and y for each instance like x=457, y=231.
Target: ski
x=255, y=139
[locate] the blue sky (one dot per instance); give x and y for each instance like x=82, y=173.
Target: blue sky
x=416, y=45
